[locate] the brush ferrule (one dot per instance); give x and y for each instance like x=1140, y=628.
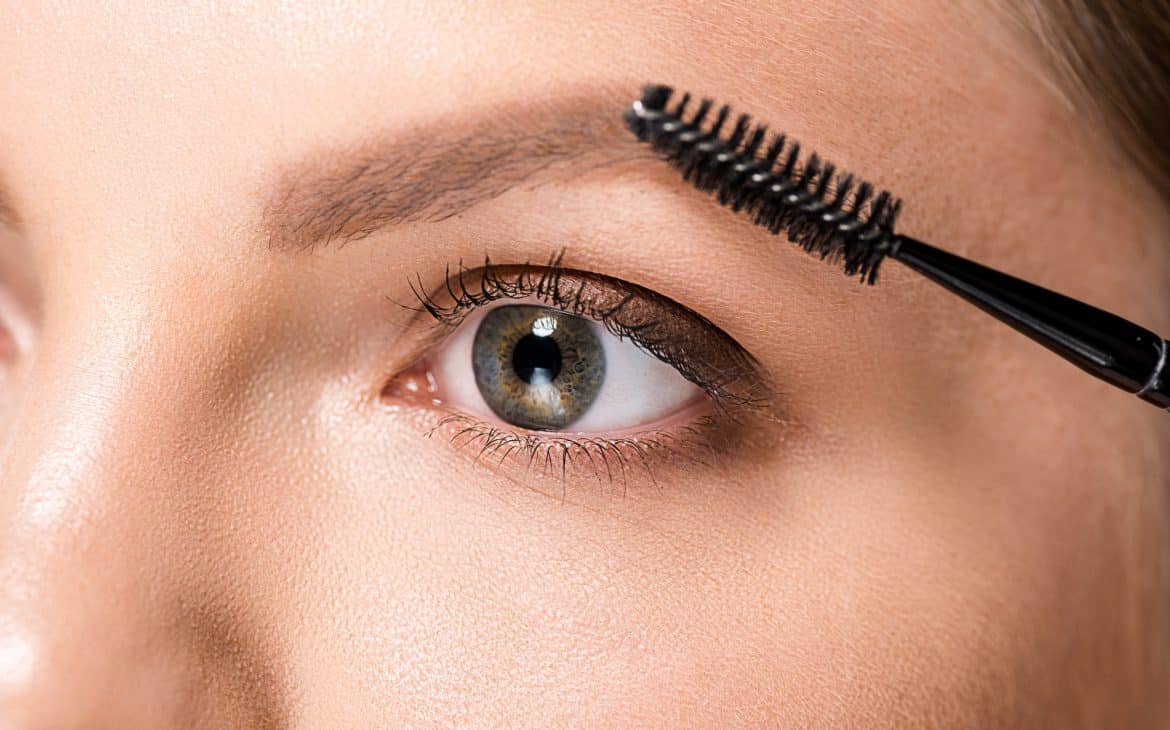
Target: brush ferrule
x=640, y=111
x=1157, y=388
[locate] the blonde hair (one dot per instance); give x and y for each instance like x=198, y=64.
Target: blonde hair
x=1112, y=58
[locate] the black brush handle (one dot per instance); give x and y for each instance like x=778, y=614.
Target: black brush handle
x=1115, y=350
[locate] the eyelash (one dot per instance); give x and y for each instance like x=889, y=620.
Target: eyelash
x=492, y=288
x=734, y=386
x=606, y=459
x=736, y=382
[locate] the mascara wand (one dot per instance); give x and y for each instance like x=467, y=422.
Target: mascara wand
x=848, y=221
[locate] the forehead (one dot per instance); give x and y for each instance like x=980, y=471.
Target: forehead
x=454, y=48
x=174, y=111
x=158, y=88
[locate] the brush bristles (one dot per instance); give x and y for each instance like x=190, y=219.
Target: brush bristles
x=824, y=211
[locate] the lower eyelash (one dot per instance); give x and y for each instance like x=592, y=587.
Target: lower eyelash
x=608, y=460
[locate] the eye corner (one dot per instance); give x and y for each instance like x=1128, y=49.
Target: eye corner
x=414, y=385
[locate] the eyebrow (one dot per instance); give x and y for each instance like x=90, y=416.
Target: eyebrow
x=440, y=169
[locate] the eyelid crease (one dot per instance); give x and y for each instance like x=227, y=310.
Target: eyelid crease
x=696, y=347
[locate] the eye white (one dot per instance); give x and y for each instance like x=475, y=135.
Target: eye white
x=638, y=389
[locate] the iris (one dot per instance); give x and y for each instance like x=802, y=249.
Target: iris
x=536, y=367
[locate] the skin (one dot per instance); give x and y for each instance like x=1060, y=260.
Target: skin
x=210, y=515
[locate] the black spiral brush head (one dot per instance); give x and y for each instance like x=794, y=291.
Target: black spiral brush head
x=824, y=211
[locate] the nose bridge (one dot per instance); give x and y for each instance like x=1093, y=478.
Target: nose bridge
x=75, y=542
x=120, y=393
x=99, y=490
x=70, y=439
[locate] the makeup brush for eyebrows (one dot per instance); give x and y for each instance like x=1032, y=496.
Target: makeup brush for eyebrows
x=846, y=220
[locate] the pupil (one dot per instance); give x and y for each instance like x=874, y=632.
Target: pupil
x=536, y=360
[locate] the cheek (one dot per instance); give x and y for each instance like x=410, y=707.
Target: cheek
x=936, y=586
x=441, y=593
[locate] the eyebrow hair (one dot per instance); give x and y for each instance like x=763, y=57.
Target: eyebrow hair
x=441, y=169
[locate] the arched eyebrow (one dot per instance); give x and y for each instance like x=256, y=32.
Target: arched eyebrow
x=441, y=169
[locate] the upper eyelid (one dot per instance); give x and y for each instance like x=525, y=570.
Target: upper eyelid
x=733, y=377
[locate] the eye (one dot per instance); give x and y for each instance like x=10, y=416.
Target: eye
x=576, y=372
x=544, y=369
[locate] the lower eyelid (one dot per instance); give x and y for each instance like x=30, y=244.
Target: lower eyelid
x=704, y=437
x=704, y=441
x=686, y=439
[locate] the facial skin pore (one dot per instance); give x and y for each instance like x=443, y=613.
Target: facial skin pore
x=211, y=515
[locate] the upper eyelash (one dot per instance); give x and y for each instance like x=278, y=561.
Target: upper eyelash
x=492, y=287
x=738, y=381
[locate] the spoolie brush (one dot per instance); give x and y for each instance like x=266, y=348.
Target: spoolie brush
x=845, y=220
x=825, y=212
